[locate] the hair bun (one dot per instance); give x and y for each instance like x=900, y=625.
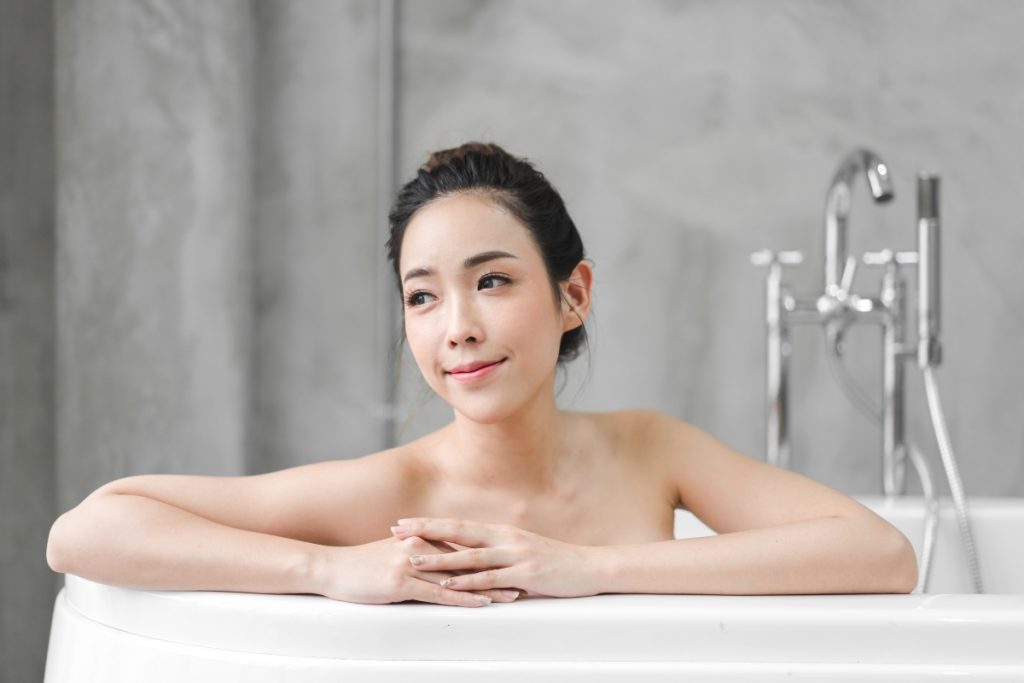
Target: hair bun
x=446, y=156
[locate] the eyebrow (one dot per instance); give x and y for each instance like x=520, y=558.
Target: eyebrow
x=471, y=262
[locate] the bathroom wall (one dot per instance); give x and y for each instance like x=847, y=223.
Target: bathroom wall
x=154, y=240
x=318, y=362
x=27, y=322
x=191, y=230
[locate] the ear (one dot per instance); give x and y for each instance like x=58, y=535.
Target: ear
x=576, y=296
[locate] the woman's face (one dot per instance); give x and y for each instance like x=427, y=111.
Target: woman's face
x=477, y=294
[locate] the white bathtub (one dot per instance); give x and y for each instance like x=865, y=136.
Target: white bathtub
x=116, y=635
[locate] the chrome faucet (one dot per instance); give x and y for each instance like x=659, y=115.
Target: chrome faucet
x=837, y=209
x=837, y=307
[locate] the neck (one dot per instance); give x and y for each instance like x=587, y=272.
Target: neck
x=520, y=455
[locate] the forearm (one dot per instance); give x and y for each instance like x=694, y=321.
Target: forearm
x=139, y=542
x=828, y=555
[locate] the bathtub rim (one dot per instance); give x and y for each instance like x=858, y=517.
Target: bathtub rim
x=868, y=628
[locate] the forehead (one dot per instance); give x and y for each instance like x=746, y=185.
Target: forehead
x=450, y=227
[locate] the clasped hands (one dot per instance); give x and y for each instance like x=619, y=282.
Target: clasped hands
x=490, y=557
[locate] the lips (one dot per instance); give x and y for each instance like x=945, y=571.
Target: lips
x=468, y=368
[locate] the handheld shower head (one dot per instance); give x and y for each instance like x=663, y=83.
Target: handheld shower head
x=929, y=348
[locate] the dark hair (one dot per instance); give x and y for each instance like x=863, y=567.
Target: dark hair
x=515, y=185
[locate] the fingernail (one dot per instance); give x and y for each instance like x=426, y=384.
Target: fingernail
x=403, y=521
x=399, y=529
x=449, y=582
x=483, y=599
x=509, y=594
x=416, y=559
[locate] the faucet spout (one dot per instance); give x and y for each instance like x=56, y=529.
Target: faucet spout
x=837, y=210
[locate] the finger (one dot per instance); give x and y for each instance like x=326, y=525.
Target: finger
x=490, y=578
x=462, y=531
x=472, y=558
x=503, y=594
x=423, y=545
x=500, y=594
x=444, y=548
x=427, y=591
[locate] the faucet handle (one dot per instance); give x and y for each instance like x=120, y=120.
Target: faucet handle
x=767, y=257
x=849, y=271
x=887, y=256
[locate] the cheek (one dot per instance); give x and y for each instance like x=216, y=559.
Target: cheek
x=417, y=337
x=534, y=328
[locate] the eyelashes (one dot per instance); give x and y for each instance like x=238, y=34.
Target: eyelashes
x=416, y=298
x=412, y=300
x=493, y=276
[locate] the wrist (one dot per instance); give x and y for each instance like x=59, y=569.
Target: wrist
x=309, y=572
x=607, y=571
x=602, y=563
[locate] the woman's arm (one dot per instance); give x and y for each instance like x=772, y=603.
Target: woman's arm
x=135, y=541
x=249, y=533
x=823, y=555
x=309, y=529
x=778, y=531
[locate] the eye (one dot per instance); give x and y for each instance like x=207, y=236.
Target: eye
x=492, y=278
x=416, y=298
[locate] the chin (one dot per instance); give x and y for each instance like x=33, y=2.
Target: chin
x=485, y=411
x=482, y=415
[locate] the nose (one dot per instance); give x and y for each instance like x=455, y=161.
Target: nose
x=463, y=323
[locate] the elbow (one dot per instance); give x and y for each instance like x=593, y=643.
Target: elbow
x=889, y=560
x=903, y=574
x=67, y=551
x=64, y=548
x=55, y=553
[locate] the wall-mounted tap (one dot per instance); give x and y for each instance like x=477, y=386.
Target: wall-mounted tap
x=837, y=307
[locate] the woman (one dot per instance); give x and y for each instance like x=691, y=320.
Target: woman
x=514, y=494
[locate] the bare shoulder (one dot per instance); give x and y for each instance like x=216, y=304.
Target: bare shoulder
x=641, y=438
x=638, y=432
x=654, y=434
x=726, y=489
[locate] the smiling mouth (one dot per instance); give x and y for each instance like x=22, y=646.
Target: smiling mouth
x=477, y=373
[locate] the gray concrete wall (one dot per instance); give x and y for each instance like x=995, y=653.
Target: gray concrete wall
x=154, y=242
x=27, y=303
x=315, y=379
x=190, y=240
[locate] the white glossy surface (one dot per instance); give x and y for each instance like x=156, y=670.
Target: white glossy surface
x=114, y=634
